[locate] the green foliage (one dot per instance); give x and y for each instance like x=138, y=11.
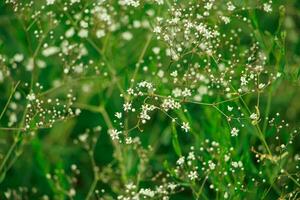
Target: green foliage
x=149, y=99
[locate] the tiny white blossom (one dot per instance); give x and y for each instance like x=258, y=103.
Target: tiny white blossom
x=234, y=132
x=180, y=161
x=185, y=126
x=127, y=106
x=114, y=134
x=267, y=7
x=193, y=175
x=118, y=115
x=31, y=97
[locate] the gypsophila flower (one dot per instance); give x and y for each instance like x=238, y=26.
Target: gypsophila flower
x=186, y=92
x=147, y=192
x=31, y=97
x=234, y=132
x=185, y=126
x=180, y=161
x=230, y=6
x=267, y=7
x=193, y=175
x=118, y=115
x=127, y=106
x=50, y=2
x=253, y=116
x=114, y=134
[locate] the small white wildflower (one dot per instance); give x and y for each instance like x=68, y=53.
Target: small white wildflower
x=157, y=29
x=127, y=106
x=159, y=2
x=118, y=115
x=156, y=50
x=30, y=64
x=229, y=108
x=41, y=64
x=226, y=158
x=77, y=111
x=100, y=33
x=83, y=33
x=114, y=134
x=174, y=73
x=211, y=165
x=234, y=132
x=83, y=137
x=253, y=116
x=128, y=140
x=72, y=192
x=170, y=104
x=185, y=126
x=230, y=6
x=50, y=2
x=160, y=73
x=147, y=192
x=193, y=175
x=180, y=161
x=31, y=97
x=267, y=7
x=70, y=32
x=177, y=92
x=226, y=195
x=186, y=92
x=127, y=35
x=18, y=57
x=225, y=19
x=261, y=86
x=244, y=80
x=191, y=156
x=50, y=51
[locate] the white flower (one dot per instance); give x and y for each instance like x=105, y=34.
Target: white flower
x=211, y=165
x=193, y=175
x=261, y=86
x=50, y=2
x=156, y=50
x=50, y=51
x=31, y=97
x=230, y=6
x=118, y=115
x=253, y=116
x=114, y=134
x=157, y=29
x=70, y=32
x=226, y=195
x=147, y=192
x=159, y=2
x=177, y=92
x=234, y=132
x=185, y=126
x=127, y=106
x=83, y=137
x=186, y=92
x=229, y=108
x=267, y=7
x=83, y=33
x=127, y=35
x=134, y=3
x=244, y=80
x=170, y=104
x=180, y=161
x=18, y=57
x=100, y=33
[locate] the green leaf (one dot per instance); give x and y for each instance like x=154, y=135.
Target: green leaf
x=2, y=176
x=175, y=142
